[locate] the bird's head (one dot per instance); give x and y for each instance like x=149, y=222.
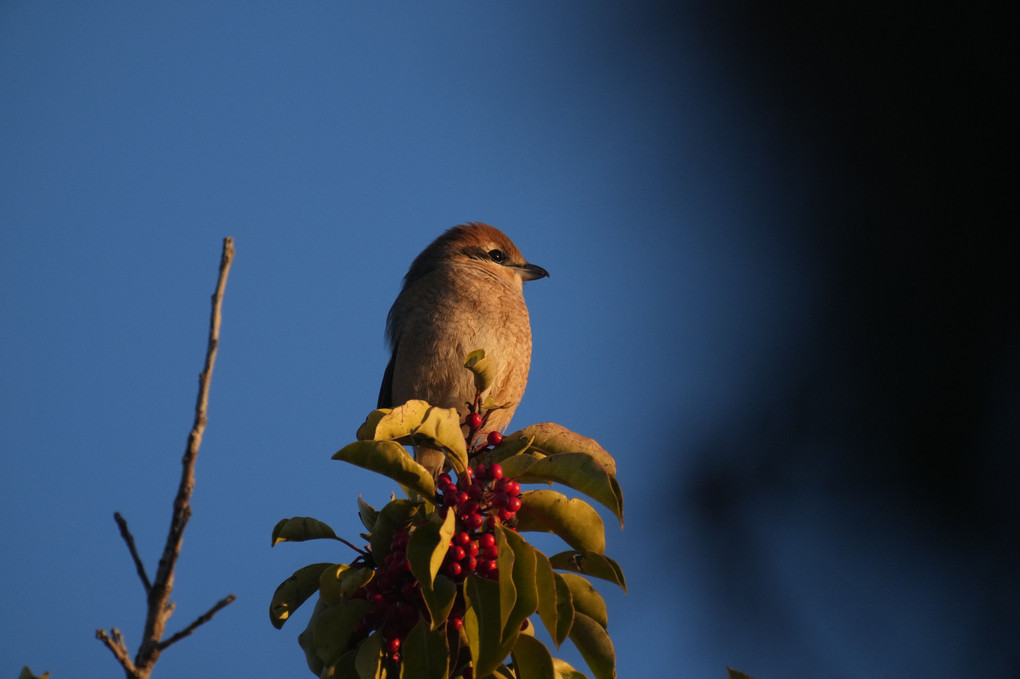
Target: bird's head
x=477, y=246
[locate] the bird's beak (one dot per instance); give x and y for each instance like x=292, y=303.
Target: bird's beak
x=530, y=272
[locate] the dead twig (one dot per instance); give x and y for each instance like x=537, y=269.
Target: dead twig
x=159, y=590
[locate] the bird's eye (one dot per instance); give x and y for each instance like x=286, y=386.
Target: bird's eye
x=498, y=256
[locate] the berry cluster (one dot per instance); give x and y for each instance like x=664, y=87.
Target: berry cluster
x=395, y=596
x=481, y=499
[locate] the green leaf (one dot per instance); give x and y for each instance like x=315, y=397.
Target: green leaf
x=576, y=470
x=441, y=429
x=532, y=659
x=369, y=660
x=424, y=654
x=736, y=674
x=482, y=624
x=482, y=368
x=507, y=587
x=416, y=423
x=394, y=515
x=428, y=546
x=590, y=563
x=565, y=671
x=524, y=580
x=332, y=630
x=389, y=459
x=586, y=599
x=299, y=529
x=439, y=599
x=339, y=581
x=555, y=606
x=595, y=646
x=512, y=445
x=549, y=438
x=572, y=519
x=344, y=668
x=366, y=513
x=27, y=674
x=293, y=592
x=306, y=643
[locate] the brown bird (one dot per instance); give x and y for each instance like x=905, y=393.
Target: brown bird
x=463, y=292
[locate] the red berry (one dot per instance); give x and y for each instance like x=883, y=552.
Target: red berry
x=457, y=553
x=481, y=471
x=496, y=470
x=470, y=563
x=473, y=521
x=474, y=420
x=486, y=540
x=513, y=488
x=456, y=623
x=472, y=549
x=490, y=552
x=452, y=569
x=505, y=515
x=513, y=504
x=461, y=538
x=494, y=438
x=499, y=500
x=392, y=645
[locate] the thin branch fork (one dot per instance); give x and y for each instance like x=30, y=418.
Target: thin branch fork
x=158, y=591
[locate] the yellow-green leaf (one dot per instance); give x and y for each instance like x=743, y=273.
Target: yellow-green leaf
x=549, y=438
x=439, y=599
x=524, y=580
x=332, y=630
x=507, y=588
x=482, y=624
x=391, y=424
x=482, y=368
x=565, y=671
x=26, y=673
x=579, y=471
x=595, y=646
x=428, y=546
x=339, y=581
x=532, y=659
x=293, y=592
x=424, y=654
x=554, y=603
x=440, y=429
x=586, y=599
x=299, y=529
x=367, y=513
x=572, y=519
x=590, y=563
x=306, y=642
x=369, y=660
x=389, y=459
x=394, y=515
x=511, y=445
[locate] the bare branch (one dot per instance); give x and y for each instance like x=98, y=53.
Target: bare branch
x=155, y=621
x=117, y=647
x=130, y=540
x=200, y=620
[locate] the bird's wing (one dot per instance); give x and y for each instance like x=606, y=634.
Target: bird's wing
x=386, y=388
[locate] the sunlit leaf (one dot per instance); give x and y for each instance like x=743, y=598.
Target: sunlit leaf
x=424, y=654
x=586, y=599
x=482, y=624
x=391, y=424
x=524, y=579
x=394, y=515
x=366, y=513
x=572, y=519
x=507, y=587
x=332, y=630
x=565, y=671
x=299, y=529
x=595, y=646
x=511, y=445
x=340, y=581
x=549, y=438
x=482, y=368
x=441, y=429
x=389, y=459
x=439, y=599
x=590, y=563
x=554, y=604
x=532, y=659
x=576, y=470
x=369, y=660
x=428, y=546
x=293, y=592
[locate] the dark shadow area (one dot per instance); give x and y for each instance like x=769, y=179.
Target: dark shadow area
x=859, y=517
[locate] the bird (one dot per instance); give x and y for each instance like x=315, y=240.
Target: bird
x=463, y=292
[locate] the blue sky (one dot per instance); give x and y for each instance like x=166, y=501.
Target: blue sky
x=333, y=141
